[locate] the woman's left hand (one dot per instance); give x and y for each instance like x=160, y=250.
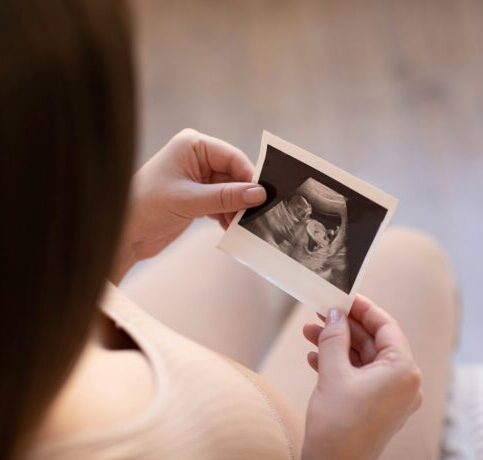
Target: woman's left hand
x=194, y=175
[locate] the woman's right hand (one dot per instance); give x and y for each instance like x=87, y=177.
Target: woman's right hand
x=368, y=384
x=193, y=175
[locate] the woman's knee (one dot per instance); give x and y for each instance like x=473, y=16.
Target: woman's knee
x=408, y=268
x=414, y=253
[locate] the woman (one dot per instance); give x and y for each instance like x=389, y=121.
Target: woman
x=81, y=382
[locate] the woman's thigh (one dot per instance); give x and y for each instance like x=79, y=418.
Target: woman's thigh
x=209, y=297
x=410, y=277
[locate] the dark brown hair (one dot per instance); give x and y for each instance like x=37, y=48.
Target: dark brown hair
x=67, y=137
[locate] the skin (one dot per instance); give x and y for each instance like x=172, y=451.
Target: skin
x=194, y=175
x=368, y=383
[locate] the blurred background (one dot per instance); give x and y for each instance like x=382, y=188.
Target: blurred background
x=392, y=91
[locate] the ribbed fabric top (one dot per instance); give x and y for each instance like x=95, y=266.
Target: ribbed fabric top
x=205, y=406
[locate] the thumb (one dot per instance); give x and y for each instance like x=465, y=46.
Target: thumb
x=334, y=344
x=228, y=197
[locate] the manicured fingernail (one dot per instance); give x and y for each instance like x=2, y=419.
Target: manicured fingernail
x=254, y=195
x=334, y=316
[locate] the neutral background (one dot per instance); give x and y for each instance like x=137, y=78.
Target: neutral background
x=392, y=91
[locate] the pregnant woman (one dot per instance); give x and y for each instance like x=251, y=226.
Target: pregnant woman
x=87, y=374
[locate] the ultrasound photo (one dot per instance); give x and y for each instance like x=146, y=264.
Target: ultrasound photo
x=313, y=235
x=309, y=226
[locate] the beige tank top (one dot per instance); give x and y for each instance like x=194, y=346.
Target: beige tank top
x=205, y=405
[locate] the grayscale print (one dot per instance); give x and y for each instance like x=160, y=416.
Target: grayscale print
x=314, y=233
x=310, y=227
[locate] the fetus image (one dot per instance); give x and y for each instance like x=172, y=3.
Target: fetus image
x=310, y=227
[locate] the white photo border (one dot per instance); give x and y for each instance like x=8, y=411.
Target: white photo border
x=286, y=273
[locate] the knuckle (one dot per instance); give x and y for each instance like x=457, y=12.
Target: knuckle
x=329, y=334
x=393, y=357
x=412, y=377
x=188, y=132
x=415, y=377
x=189, y=135
x=226, y=198
x=419, y=400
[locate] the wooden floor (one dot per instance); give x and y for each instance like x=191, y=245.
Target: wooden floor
x=390, y=90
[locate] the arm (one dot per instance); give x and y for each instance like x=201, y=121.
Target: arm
x=194, y=175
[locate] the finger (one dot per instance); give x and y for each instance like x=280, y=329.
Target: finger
x=362, y=341
x=221, y=157
x=218, y=178
x=334, y=345
x=225, y=197
x=322, y=317
x=220, y=218
x=313, y=360
x=224, y=222
x=417, y=403
x=229, y=216
x=385, y=330
x=369, y=314
x=311, y=332
x=355, y=358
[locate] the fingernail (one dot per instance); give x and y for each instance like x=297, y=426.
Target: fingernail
x=254, y=195
x=334, y=316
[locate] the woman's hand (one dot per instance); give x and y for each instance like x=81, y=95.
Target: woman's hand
x=368, y=384
x=194, y=175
